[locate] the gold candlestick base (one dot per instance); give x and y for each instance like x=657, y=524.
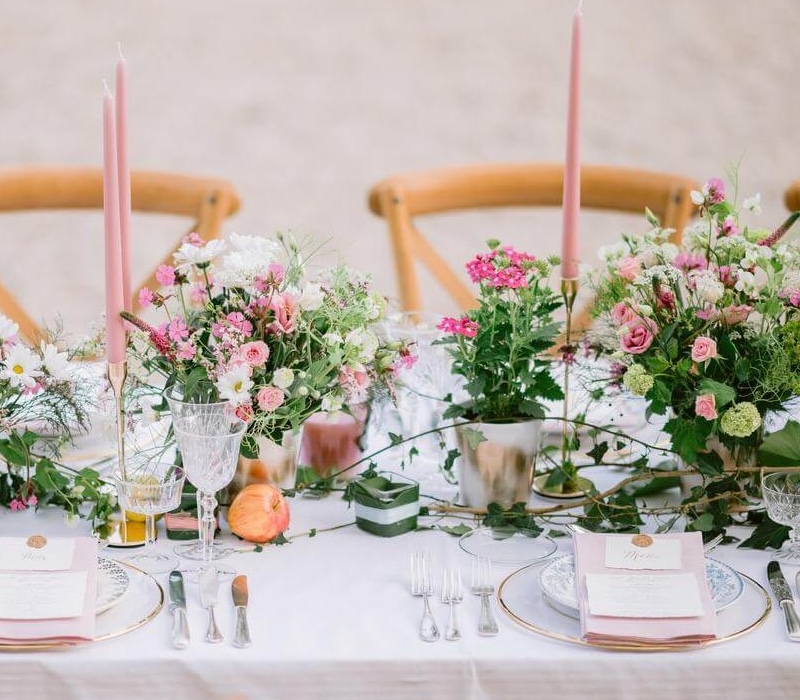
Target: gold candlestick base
x=121, y=532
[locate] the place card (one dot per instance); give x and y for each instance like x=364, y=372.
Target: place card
x=36, y=553
x=642, y=552
x=644, y=595
x=34, y=596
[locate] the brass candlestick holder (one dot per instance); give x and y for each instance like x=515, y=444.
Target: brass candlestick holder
x=573, y=486
x=121, y=532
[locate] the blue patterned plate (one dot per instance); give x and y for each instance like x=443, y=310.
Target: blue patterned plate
x=557, y=581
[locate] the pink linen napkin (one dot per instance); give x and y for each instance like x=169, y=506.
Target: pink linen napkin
x=590, y=558
x=71, y=630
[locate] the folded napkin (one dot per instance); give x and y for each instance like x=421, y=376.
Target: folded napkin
x=28, y=586
x=644, y=587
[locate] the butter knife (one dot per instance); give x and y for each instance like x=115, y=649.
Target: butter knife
x=177, y=605
x=784, y=595
x=209, y=589
x=241, y=635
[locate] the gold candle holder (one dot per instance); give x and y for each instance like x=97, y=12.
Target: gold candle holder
x=576, y=485
x=121, y=532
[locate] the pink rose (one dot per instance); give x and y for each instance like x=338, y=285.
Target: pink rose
x=165, y=275
x=355, y=381
x=622, y=314
x=704, y=348
x=286, y=309
x=734, y=314
x=629, y=268
x=705, y=406
x=269, y=398
x=254, y=353
x=638, y=337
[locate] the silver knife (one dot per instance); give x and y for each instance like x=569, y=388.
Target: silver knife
x=209, y=587
x=784, y=595
x=241, y=637
x=177, y=605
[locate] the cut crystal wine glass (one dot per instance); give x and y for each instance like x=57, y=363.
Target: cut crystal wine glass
x=781, y=492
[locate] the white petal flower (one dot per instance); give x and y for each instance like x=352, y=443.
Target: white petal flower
x=753, y=204
x=283, y=377
x=235, y=384
x=697, y=197
x=331, y=403
x=190, y=254
x=249, y=257
x=8, y=329
x=21, y=367
x=56, y=363
x=311, y=297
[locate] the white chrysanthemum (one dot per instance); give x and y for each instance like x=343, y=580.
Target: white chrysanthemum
x=8, y=329
x=707, y=286
x=753, y=204
x=22, y=367
x=56, y=363
x=311, y=297
x=189, y=254
x=235, y=384
x=283, y=377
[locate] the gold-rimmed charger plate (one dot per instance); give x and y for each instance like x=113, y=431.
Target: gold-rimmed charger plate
x=520, y=597
x=142, y=602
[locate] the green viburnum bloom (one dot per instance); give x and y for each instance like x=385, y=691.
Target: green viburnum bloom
x=637, y=380
x=740, y=420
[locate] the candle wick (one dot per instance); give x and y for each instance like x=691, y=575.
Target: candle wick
x=106, y=89
x=122, y=57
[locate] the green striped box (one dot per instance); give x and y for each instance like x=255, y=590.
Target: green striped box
x=386, y=508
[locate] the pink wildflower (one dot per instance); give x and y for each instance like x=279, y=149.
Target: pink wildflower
x=714, y=191
x=193, y=238
x=177, y=330
x=482, y=267
x=165, y=275
x=198, y=293
x=145, y=297
x=729, y=226
x=727, y=275
x=17, y=504
x=186, y=351
x=689, y=261
x=239, y=322
x=33, y=500
x=405, y=360
x=458, y=326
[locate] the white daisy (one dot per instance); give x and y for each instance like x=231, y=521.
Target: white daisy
x=235, y=384
x=56, y=363
x=189, y=254
x=22, y=367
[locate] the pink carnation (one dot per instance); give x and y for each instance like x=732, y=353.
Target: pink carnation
x=704, y=348
x=269, y=398
x=165, y=275
x=705, y=406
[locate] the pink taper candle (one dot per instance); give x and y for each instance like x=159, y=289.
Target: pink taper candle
x=115, y=330
x=124, y=175
x=572, y=165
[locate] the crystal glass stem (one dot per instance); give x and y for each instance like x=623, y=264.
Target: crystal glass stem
x=149, y=531
x=207, y=504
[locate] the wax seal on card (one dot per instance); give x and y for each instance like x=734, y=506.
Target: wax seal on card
x=36, y=541
x=642, y=540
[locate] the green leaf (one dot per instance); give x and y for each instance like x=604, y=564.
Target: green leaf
x=598, y=452
x=703, y=524
x=395, y=439
x=767, y=534
x=781, y=448
x=454, y=411
x=456, y=530
x=473, y=437
x=450, y=459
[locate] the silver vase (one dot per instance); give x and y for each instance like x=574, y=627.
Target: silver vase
x=499, y=469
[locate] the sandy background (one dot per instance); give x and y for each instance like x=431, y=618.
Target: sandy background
x=303, y=104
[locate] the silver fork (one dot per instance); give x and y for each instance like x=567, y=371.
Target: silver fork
x=482, y=585
x=452, y=594
x=421, y=586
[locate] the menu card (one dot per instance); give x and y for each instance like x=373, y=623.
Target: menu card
x=48, y=589
x=670, y=604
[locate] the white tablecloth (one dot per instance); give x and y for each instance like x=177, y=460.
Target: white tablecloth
x=331, y=617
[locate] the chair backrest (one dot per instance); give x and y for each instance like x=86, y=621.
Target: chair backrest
x=401, y=198
x=205, y=200
x=792, y=196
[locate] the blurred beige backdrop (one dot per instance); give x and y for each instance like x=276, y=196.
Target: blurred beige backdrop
x=303, y=104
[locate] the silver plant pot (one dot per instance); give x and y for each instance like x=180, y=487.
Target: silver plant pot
x=499, y=469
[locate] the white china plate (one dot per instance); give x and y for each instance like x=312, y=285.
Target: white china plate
x=557, y=581
x=112, y=583
x=506, y=546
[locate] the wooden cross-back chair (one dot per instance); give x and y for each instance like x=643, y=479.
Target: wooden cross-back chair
x=205, y=200
x=402, y=198
x=792, y=196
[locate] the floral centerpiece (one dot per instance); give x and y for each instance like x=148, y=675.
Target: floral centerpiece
x=41, y=407
x=246, y=323
x=707, y=332
x=498, y=349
